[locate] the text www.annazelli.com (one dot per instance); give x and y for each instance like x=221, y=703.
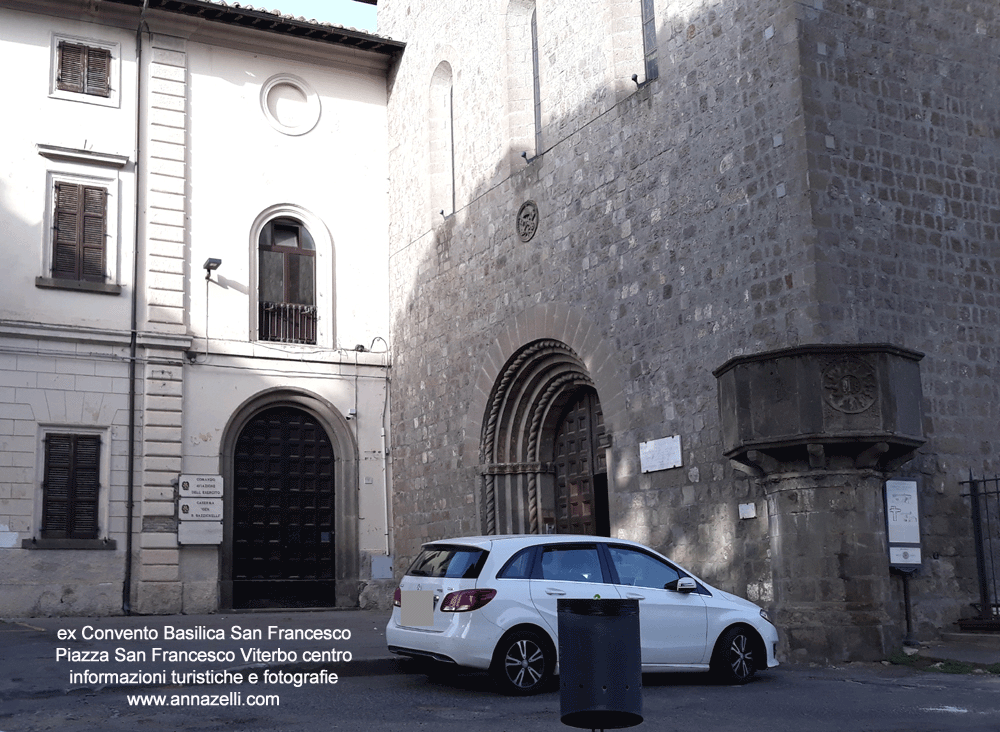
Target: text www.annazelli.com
x=232, y=699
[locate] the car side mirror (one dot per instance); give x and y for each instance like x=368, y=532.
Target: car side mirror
x=684, y=584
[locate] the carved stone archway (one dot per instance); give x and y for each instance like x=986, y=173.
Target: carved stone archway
x=526, y=404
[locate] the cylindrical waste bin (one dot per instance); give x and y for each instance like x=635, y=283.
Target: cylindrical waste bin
x=600, y=663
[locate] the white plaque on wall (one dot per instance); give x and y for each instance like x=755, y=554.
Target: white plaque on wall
x=199, y=509
x=200, y=486
x=199, y=532
x=660, y=454
x=904, y=555
x=901, y=514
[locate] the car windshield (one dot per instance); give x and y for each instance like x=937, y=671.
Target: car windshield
x=448, y=561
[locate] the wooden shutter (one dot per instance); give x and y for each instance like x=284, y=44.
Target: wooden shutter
x=92, y=242
x=78, y=249
x=72, y=67
x=84, y=69
x=71, y=487
x=99, y=72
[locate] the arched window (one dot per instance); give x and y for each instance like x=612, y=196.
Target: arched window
x=524, y=100
x=442, y=141
x=286, y=275
x=649, y=40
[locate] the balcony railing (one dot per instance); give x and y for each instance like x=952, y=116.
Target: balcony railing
x=287, y=322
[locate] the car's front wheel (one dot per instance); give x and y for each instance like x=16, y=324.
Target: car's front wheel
x=523, y=662
x=735, y=658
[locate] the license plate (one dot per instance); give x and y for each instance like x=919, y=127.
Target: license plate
x=416, y=608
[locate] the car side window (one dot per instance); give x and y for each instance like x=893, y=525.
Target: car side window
x=571, y=564
x=639, y=569
x=518, y=566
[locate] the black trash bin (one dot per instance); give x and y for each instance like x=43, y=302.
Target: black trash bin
x=600, y=663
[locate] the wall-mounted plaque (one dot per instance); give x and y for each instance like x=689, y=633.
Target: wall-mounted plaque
x=201, y=486
x=661, y=454
x=199, y=532
x=199, y=509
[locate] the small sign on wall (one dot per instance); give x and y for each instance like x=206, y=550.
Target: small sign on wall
x=661, y=454
x=199, y=509
x=200, y=486
x=199, y=532
x=902, y=519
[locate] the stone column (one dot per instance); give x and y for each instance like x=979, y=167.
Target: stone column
x=822, y=427
x=830, y=565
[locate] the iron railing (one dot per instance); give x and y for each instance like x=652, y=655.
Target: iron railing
x=287, y=322
x=984, y=495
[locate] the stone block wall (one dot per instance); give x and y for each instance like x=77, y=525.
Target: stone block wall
x=671, y=220
x=903, y=134
x=759, y=194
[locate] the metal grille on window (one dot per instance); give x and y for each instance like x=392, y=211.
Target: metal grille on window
x=287, y=283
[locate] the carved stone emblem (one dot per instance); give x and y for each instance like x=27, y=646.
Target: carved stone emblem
x=527, y=221
x=849, y=385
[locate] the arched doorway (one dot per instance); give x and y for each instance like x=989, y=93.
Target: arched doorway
x=543, y=446
x=284, y=518
x=581, y=468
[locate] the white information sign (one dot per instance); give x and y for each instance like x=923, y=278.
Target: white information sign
x=199, y=509
x=902, y=517
x=199, y=532
x=902, y=555
x=200, y=486
x=902, y=520
x=660, y=454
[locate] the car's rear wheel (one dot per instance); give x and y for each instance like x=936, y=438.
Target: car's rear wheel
x=523, y=662
x=734, y=660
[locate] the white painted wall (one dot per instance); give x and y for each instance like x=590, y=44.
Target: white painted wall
x=64, y=354
x=38, y=118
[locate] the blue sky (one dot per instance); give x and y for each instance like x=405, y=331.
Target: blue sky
x=342, y=12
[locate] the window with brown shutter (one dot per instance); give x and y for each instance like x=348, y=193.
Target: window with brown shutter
x=287, y=274
x=71, y=487
x=84, y=69
x=79, y=227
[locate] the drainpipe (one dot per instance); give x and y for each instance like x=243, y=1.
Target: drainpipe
x=133, y=339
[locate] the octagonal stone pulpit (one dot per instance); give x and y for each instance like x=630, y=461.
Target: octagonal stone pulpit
x=821, y=427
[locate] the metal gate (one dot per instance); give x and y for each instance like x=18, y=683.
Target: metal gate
x=984, y=495
x=283, y=512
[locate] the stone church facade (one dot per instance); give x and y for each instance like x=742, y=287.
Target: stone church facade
x=705, y=274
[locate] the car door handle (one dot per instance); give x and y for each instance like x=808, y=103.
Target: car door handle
x=634, y=596
x=554, y=591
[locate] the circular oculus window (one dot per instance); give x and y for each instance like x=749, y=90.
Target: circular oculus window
x=289, y=104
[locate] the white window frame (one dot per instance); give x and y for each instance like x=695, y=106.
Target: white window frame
x=114, y=73
x=325, y=284
x=104, y=499
x=84, y=167
x=112, y=253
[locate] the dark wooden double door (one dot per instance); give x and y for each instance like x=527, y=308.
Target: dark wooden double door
x=581, y=468
x=283, y=549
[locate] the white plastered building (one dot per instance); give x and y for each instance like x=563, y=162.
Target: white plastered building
x=193, y=202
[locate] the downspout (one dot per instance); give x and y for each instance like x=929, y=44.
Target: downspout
x=133, y=339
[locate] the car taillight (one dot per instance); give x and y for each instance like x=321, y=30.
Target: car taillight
x=465, y=600
x=397, y=596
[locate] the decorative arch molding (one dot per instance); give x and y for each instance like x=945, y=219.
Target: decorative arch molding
x=543, y=356
x=326, y=270
x=345, y=478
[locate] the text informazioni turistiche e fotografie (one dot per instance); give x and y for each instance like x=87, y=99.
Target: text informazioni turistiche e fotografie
x=166, y=665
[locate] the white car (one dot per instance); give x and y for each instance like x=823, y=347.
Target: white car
x=490, y=602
